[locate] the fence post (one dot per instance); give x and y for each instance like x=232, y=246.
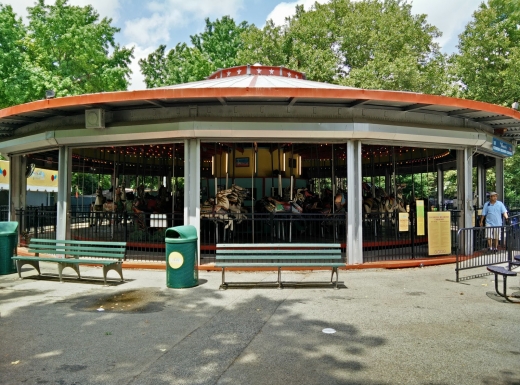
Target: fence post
x=509, y=245
x=35, y=222
x=414, y=228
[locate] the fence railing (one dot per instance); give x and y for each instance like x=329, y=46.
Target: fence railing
x=473, y=250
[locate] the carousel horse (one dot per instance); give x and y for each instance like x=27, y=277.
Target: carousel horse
x=101, y=207
x=394, y=203
x=96, y=208
x=226, y=208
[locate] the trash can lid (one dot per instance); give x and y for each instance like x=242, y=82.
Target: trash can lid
x=187, y=232
x=8, y=228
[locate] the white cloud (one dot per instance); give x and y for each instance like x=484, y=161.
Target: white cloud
x=283, y=10
x=105, y=8
x=449, y=16
x=137, y=78
x=150, y=30
x=168, y=15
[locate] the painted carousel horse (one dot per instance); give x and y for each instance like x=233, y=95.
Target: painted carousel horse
x=226, y=208
x=394, y=204
x=96, y=208
x=102, y=208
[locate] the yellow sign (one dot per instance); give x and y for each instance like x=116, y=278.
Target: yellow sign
x=420, y=216
x=403, y=221
x=175, y=260
x=439, y=233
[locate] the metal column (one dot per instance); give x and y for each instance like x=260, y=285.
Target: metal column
x=17, y=186
x=499, y=172
x=192, y=186
x=354, y=204
x=64, y=184
x=465, y=195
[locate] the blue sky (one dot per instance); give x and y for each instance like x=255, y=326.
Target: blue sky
x=147, y=24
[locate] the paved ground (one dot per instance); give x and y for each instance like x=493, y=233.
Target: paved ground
x=409, y=326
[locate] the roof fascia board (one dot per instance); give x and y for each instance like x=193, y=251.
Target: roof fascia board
x=29, y=143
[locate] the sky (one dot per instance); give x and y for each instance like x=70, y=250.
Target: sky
x=147, y=24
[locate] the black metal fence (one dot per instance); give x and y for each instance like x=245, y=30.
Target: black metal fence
x=4, y=213
x=279, y=227
x=473, y=251
x=384, y=239
x=144, y=232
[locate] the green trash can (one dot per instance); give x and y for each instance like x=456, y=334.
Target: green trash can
x=181, y=257
x=8, y=240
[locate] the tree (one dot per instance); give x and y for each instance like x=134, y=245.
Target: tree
x=212, y=49
x=368, y=44
x=63, y=48
x=488, y=62
x=15, y=78
x=76, y=52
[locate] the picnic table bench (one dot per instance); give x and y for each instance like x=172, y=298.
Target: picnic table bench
x=110, y=255
x=279, y=255
x=505, y=272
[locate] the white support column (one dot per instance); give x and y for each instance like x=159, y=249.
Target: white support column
x=17, y=186
x=354, y=204
x=64, y=183
x=499, y=172
x=192, y=186
x=465, y=196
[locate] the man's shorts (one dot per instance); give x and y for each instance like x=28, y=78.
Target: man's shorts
x=493, y=232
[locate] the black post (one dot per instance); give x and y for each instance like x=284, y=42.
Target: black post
x=414, y=227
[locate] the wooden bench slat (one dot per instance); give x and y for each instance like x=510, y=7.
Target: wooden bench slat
x=77, y=247
x=100, y=253
x=275, y=256
x=275, y=245
x=268, y=252
x=89, y=254
x=279, y=255
x=94, y=243
x=66, y=260
x=272, y=264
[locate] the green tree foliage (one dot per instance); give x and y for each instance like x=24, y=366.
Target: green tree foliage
x=212, y=49
x=64, y=48
x=369, y=44
x=488, y=61
x=14, y=64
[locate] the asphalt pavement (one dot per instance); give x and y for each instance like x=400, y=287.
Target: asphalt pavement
x=395, y=326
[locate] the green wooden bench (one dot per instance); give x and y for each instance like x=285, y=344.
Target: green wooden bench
x=279, y=255
x=110, y=255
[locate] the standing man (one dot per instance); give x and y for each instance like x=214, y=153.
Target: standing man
x=493, y=211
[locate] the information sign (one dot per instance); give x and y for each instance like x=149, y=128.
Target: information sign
x=439, y=233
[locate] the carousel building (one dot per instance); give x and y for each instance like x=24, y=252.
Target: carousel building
x=260, y=154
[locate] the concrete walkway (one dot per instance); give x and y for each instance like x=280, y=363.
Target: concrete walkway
x=400, y=326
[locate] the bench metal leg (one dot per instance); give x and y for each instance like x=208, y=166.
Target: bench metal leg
x=280, y=286
x=62, y=265
x=224, y=285
x=334, y=270
x=115, y=266
x=20, y=263
x=504, y=294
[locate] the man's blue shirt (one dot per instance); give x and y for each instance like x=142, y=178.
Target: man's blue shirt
x=493, y=213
